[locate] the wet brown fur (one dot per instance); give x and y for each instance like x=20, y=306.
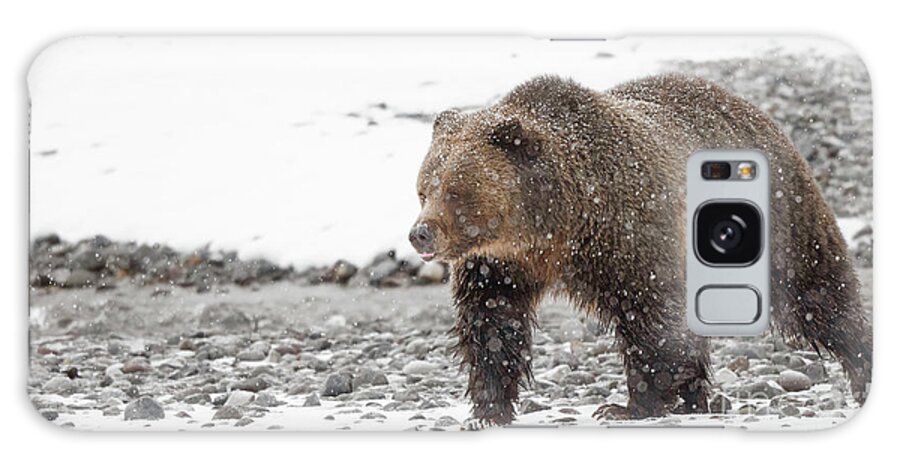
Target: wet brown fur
x=561, y=189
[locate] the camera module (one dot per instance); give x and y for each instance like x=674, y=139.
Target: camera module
x=728, y=233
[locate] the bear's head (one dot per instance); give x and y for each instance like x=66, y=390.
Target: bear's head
x=478, y=185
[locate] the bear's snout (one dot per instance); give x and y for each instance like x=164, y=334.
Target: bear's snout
x=422, y=239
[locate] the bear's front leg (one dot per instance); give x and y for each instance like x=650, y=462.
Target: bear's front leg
x=495, y=303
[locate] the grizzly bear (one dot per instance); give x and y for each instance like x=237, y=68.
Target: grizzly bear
x=560, y=189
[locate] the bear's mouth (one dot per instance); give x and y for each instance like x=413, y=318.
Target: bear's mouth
x=427, y=256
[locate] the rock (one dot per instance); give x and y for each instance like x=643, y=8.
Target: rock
x=816, y=372
x=431, y=273
x=60, y=385
x=228, y=412
x=373, y=416
x=340, y=272
x=793, y=381
x=253, y=384
x=369, y=377
x=407, y=395
x=565, y=357
x=557, y=374
x=50, y=415
x=446, y=421
x=725, y=376
x=199, y=398
x=578, y=378
x=267, y=400
x=135, y=365
x=719, y=404
x=790, y=410
x=379, y=272
x=88, y=259
x=762, y=389
x=251, y=354
x=311, y=401
x=223, y=316
x=337, y=384
x=144, y=408
x=419, y=368
x=239, y=398
x=529, y=406
x=739, y=364
x=80, y=278
x=243, y=422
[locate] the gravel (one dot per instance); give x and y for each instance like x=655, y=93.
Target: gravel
x=144, y=409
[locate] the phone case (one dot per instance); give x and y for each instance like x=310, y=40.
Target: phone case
x=414, y=233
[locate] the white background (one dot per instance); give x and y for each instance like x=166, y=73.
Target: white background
x=27, y=27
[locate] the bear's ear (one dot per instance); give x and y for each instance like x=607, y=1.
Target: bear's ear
x=512, y=138
x=446, y=121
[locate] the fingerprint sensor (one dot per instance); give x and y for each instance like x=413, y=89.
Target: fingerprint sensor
x=728, y=304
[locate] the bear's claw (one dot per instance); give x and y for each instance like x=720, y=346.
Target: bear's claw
x=612, y=412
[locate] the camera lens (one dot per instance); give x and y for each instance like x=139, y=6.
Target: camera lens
x=728, y=233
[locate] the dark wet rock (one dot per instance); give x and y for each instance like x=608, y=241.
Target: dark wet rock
x=373, y=416
x=144, y=408
x=50, y=415
x=243, y=422
x=337, y=384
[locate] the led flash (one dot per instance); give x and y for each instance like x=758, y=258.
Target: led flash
x=746, y=170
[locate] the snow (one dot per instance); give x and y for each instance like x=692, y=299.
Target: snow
x=300, y=150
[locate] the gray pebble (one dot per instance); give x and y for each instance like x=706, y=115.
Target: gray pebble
x=144, y=408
